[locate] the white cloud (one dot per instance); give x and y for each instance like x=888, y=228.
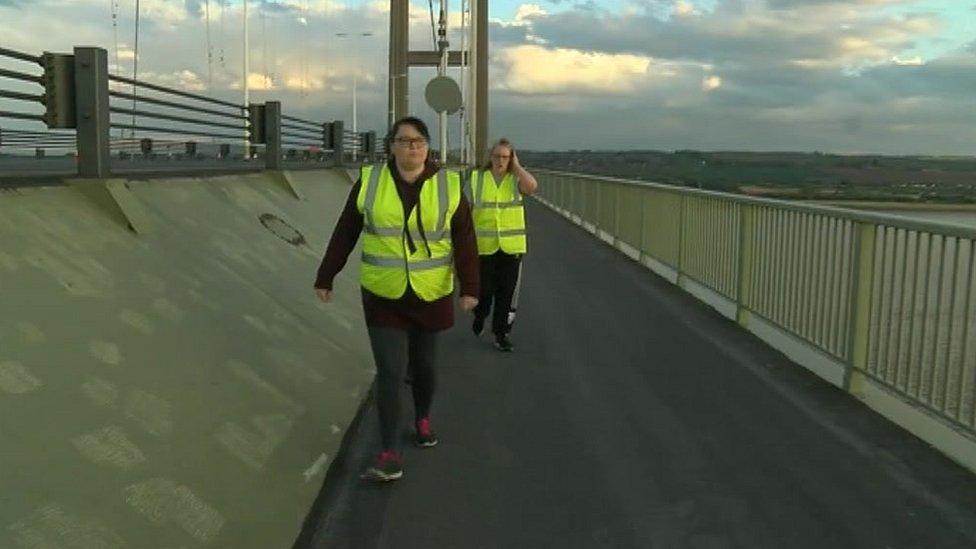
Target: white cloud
x=682, y=8
x=524, y=14
x=710, y=83
x=260, y=82
x=298, y=83
x=537, y=70
x=185, y=80
x=527, y=11
x=909, y=61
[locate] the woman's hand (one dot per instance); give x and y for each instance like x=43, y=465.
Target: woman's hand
x=468, y=303
x=324, y=295
x=527, y=183
x=515, y=161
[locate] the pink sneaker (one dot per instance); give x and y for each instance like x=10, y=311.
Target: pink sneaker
x=425, y=436
x=388, y=467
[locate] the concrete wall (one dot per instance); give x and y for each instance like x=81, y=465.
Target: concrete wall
x=167, y=378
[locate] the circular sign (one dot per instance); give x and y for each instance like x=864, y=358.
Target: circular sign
x=443, y=95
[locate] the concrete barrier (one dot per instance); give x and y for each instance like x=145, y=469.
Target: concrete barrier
x=167, y=378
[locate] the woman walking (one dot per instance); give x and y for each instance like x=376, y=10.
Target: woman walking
x=417, y=232
x=499, y=219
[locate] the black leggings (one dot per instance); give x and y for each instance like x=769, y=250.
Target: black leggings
x=499, y=277
x=394, y=349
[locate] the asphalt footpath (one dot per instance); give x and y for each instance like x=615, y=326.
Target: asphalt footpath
x=632, y=416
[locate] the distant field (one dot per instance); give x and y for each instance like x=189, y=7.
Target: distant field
x=787, y=175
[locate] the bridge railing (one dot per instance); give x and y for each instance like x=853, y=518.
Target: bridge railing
x=102, y=117
x=868, y=297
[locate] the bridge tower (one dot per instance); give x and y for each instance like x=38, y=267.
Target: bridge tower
x=401, y=59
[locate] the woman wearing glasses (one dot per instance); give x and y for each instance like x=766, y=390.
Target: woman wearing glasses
x=499, y=219
x=417, y=232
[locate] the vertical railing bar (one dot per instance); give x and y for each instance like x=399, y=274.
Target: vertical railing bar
x=828, y=293
x=735, y=254
x=894, y=319
x=796, y=239
x=846, y=287
x=906, y=377
x=906, y=316
x=916, y=355
x=784, y=282
x=733, y=240
x=782, y=267
x=965, y=332
x=799, y=273
x=823, y=307
x=883, y=301
x=808, y=275
x=952, y=321
x=765, y=234
x=820, y=281
x=938, y=321
x=891, y=261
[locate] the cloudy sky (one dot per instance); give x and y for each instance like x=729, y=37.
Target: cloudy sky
x=885, y=76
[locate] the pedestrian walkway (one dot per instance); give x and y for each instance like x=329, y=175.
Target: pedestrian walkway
x=632, y=416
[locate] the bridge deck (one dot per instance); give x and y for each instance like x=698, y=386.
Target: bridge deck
x=631, y=415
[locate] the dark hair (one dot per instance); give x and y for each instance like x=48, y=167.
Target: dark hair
x=417, y=124
x=503, y=142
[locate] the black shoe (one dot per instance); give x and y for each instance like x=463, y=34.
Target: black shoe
x=503, y=344
x=478, y=326
x=388, y=466
x=425, y=436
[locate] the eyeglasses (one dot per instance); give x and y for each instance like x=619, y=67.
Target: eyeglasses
x=411, y=142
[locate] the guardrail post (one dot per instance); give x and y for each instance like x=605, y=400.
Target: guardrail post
x=59, y=90
x=369, y=146
x=146, y=147
x=92, y=115
x=682, y=206
x=745, y=259
x=255, y=123
x=338, y=138
x=860, y=313
x=272, y=135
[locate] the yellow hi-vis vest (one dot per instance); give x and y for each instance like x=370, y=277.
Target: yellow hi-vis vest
x=498, y=213
x=388, y=266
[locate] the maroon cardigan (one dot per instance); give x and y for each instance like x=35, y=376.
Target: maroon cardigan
x=409, y=311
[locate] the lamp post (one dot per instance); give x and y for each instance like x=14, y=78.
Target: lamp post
x=355, y=78
x=247, y=68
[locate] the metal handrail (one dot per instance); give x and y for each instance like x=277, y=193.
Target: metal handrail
x=302, y=144
x=6, y=52
x=305, y=145
x=294, y=119
x=22, y=96
x=161, y=116
x=172, y=131
x=35, y=139
x=302, y=136
x=154, y=101
x=301, y=129
x=22, y=116
x=17, y=75
x=5, y=133
x=172, y=91
x=889, y=220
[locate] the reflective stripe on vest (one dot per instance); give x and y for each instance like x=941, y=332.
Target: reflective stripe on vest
x=499, y=214
x=387, y=265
